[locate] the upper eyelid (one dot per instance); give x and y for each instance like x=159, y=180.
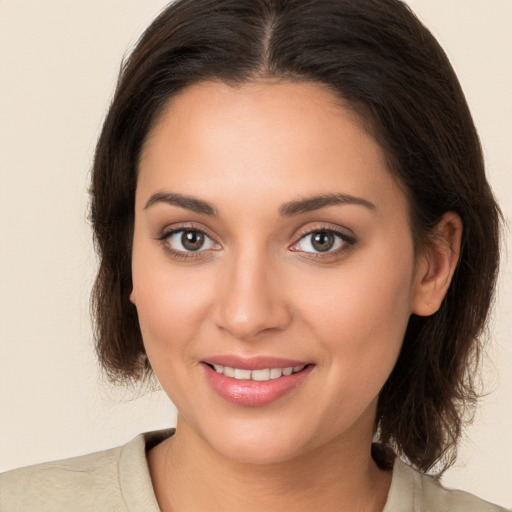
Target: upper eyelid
x=342, y=231
x=176, y=228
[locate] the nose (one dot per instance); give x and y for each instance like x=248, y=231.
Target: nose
x=252, y=298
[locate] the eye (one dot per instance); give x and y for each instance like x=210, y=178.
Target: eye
x=189, y=240
x=322, y=241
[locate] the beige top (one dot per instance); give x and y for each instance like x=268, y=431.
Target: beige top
x=118, y=480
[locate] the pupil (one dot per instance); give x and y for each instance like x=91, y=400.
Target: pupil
x=192, y=240
x=323, y=241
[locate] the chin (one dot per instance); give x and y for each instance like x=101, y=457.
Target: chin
x=263, y=441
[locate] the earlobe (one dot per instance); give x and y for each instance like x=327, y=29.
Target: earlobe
x=436, y=267
x=132, y=297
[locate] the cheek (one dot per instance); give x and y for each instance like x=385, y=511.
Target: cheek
x=171, y=311
x=171, y=302
x=360, y=312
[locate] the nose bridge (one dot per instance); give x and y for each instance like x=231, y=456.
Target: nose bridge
x=251, y=300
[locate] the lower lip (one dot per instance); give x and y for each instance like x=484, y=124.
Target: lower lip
x=252, y=393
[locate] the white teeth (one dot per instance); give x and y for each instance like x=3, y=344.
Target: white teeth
x=229, y=372
x=242, y=374
x=275, y=373
x=258, y=375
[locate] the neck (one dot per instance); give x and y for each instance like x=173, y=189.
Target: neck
x=188, y=475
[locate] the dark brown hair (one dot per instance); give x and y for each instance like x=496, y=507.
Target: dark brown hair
x=379, y=59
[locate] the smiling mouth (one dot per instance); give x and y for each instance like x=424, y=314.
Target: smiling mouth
x=262, y=375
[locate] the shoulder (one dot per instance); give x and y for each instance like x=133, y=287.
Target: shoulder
x=105, y=480
x=413, y=491
x=79, y=483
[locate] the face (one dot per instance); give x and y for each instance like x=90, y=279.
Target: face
x=273, y=268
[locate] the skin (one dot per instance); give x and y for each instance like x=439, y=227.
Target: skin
x=258, y=287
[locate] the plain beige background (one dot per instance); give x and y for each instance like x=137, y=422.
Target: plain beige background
x=58, y=66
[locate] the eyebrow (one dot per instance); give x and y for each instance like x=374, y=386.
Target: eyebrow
x=286, y=210
x=187, y=202
x=322, y=201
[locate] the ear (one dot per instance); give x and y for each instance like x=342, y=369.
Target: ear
x=132, y=297
x=436, y=265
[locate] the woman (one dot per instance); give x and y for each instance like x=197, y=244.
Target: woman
x=297, y=237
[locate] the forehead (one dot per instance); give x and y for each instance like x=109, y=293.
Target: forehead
x=294, y=138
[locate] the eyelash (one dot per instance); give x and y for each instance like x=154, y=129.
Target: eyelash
x=183, y=255
x=346, y=243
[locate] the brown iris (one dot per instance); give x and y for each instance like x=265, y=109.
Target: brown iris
x=192, y=240
x=322, y=241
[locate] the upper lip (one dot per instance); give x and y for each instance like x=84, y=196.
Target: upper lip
x=253, y=363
